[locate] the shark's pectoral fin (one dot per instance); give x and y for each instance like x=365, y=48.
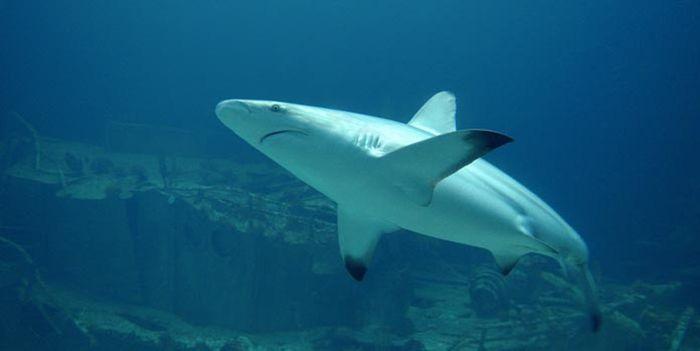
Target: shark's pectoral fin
x=358, y=235
x=437, y=116
x=415, y=169
x=506, y=261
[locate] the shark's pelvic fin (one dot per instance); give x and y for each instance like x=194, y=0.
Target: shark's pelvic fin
x=358, y=235
x=506, y=261
x=415, y=169
x=437, y=116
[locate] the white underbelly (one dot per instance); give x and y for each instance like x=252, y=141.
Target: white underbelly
x=458, y=213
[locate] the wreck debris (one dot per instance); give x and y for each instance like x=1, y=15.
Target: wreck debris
x=62, y=177
x=101, y=165
x=296, y=220
x=681, y=328
x=33, y=281
x=35, y=138
x=36, y=295
x=22, y=253
x=487, y=291
x=139, y=172
x=240, y=343
x=74, y=163
x=163, y=171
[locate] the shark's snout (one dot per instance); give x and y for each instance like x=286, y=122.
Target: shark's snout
x=231, y=108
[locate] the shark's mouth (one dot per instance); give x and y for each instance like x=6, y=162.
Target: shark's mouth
x=283, y=131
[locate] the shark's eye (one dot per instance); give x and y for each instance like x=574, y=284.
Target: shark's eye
x=275, y=108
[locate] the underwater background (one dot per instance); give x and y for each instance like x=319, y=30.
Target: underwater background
x=110, y=146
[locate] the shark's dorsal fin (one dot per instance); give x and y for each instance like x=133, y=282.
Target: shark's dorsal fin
x=358, y=235
x=416, y=168
x=437, y=116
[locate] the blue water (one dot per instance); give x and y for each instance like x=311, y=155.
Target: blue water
x=602, y=98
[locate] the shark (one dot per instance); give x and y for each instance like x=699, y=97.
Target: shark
x=424, y=176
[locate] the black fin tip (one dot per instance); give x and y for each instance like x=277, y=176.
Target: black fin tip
x=356, y=268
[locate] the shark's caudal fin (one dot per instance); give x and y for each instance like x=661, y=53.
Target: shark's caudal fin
x=591, y=294
x=358, y=235
x=416, y=169
x=437, y=116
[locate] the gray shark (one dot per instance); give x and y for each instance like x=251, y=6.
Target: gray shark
x=424, y=176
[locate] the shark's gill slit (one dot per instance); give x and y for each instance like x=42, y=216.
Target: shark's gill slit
x=262, y=139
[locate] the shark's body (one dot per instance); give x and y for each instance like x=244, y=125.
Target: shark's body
x=423, y=176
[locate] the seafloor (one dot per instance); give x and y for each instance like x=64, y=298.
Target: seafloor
x=148, y=242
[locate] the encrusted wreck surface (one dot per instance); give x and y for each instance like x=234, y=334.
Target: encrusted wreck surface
x=109, y=251
x=241, y=245
x=248, y=197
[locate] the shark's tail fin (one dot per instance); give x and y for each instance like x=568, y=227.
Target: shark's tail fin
x=590, y=293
